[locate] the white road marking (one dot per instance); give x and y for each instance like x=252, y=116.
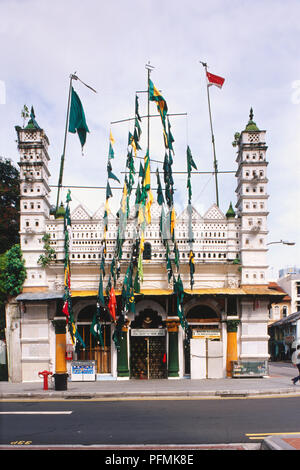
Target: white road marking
x=35, y=412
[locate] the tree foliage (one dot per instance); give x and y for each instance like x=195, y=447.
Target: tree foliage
x=13, y=272
x=12, y=277
x=45, y=259
x=9, y=205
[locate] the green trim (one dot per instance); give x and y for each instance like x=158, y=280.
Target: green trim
x=232, y=325
x=173, y=361
x=122, y=357
x=60, y=326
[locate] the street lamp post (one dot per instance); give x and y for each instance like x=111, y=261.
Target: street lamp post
x=284, y=242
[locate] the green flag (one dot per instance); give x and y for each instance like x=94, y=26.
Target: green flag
x=96, y=328
x=170, y=137
x=111, y=153
x=169, y=268
x=176, y=252
x=179, y=294
x=178, y=289
x=117, y=336
x=136, y=286
x=154, y=95
x=190, y=161
x=140, y=268
x=138, y=128
x=192, y=267
x=141, y=170
x=100, y=292
x=160, y=196
x=77, y=122
x=102, y=265
x=108, y=191
x=112, y=176
x=168, y=179
x=137, y=194
x=136, y=137
x=137, y=108
x=163, y=225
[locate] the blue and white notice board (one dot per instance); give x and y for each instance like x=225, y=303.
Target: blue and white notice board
x=83, y=371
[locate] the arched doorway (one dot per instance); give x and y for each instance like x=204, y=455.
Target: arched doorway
x=93, y=350
x=148, y=358
x=204, y=318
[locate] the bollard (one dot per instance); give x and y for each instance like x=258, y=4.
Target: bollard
x=45, y=374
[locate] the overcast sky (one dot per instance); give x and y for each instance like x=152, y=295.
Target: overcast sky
x=253, y=45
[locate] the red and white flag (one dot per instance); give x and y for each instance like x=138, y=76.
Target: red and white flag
x=66, y=310
x=112, y=303
x=215, y=80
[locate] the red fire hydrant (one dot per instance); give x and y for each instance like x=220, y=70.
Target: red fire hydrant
x=45, y=374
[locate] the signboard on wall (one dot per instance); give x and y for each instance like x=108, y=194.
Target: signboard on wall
x=148, y=332
x=206, y=334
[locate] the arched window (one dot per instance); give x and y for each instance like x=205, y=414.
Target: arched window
x=147, y=250
x=276, y=312
x=284, y=311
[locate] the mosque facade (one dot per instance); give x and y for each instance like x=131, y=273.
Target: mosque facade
x=227, y=308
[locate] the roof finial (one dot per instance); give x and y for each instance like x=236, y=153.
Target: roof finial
x=251, y=126
x=32, y=124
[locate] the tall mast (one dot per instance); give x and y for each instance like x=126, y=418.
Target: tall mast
x=149, y=68
x=212, y=138
x=61, y=171
x=65, y=143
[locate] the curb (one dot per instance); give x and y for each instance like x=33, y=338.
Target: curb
x=278, y=443
x=141, y=394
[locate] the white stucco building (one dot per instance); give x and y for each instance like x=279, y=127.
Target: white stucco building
x=230, y=293
x=289, y=280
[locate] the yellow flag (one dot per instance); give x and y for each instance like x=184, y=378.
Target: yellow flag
x=173, y=220
x=111, y=138
x=124, y=198
x=67, y=276
x=106, y=207
x=73, y=328
x=133, y=146
x=142, y=243
x=141, y=214
x=148, y=206
x=147, y=177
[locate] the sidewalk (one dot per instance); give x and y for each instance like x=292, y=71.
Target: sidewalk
x=278, y=383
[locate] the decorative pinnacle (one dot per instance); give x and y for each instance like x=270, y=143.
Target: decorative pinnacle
x=251, y=114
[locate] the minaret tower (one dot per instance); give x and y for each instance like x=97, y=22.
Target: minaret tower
x=251, y=204
x=34, y=198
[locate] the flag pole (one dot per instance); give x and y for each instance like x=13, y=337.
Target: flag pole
x=149, y=68
x=72, y=77
x=212, y=138
x=62, y=161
